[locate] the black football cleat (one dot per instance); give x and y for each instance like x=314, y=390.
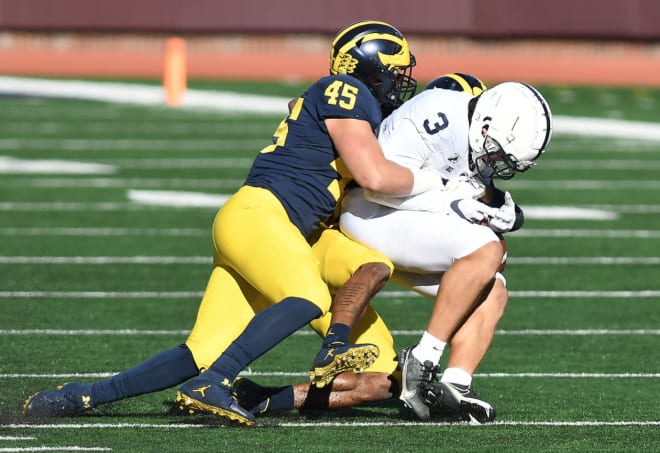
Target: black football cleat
x=414, y=375
x=201, y=394
x=70, y=399
x=252, y=396
x=459, y=401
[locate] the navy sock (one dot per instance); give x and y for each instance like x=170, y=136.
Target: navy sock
x=337, y=333
x=164, y=370
x=267, y=329
x=282, y=400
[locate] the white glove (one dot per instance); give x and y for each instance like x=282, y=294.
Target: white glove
x=464, y=186
x=503, y=219
x=472, y=210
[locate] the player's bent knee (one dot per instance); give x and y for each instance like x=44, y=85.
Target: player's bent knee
x=500, y=294
x=203, y=356
x=378, y=272
x=321, y=300
x=490, y=256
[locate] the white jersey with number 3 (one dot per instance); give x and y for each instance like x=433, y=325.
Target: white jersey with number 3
x=430, y=131
x=420, y=234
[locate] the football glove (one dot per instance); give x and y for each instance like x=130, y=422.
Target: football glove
x=502, y=220
x=473, y=210
x=464, y=186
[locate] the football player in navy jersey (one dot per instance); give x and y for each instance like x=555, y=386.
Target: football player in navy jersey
x=426, y=236
x=266, y=282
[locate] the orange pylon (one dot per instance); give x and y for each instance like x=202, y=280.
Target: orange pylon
x=174, y=74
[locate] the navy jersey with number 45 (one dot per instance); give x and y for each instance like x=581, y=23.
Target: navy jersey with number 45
x=302, y=167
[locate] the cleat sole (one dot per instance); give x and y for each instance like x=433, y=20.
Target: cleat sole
x=192, y=405
x=356, y=360
x=27, y=403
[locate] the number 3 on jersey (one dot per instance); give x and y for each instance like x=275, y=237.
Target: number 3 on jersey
x=341, y=94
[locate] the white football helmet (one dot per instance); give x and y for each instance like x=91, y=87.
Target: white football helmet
x=510, y=128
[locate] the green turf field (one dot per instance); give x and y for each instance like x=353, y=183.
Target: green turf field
x=93, y=282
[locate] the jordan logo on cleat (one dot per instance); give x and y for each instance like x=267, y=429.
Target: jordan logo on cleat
x=202, y=390
x=330, y=353
x=86, y=400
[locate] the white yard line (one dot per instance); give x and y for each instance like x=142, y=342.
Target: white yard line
x=176, y=200
x=546, y=294
x=52, y=448
x=13, y=166
x=242, y=102
x=126, y=183
x=607, y=260
x=306, y=374
x=157, y=146
x=83, y=206
x=245, y=163
x=580, y=233
x=596, y=164
x=306, y=425
x=101, y=231
x=532, y=260
x=128, y=332
x=106, y=260
x=582, y=184
x=109, y=231
x=153, y=95
x=386, y=294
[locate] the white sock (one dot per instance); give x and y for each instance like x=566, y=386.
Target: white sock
x=456, y=376
x=429, y=348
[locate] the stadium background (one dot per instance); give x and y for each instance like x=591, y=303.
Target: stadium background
x=94, y=279
x=561, y=42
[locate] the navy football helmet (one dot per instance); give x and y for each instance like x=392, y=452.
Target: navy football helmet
x=377, y=54
x=458, y=81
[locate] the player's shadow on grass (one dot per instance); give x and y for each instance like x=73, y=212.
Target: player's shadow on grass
x=383, y=409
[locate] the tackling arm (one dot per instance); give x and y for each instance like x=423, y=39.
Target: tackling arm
x=363, y=156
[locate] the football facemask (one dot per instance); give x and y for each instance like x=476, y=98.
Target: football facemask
x=493, y=162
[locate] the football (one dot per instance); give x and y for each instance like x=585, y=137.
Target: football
x=503, y=243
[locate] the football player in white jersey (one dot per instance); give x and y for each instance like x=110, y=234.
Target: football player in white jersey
x=451, y=234
x=423, y=235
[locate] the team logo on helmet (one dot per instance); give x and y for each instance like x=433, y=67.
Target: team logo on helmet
x=346, y=64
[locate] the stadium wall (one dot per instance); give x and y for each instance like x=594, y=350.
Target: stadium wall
x=609, y=42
